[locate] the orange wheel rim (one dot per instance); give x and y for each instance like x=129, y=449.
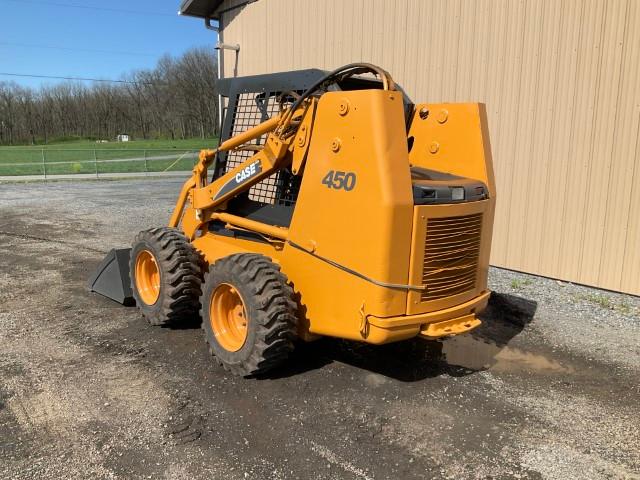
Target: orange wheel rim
x=228, y=317
x=147, y=277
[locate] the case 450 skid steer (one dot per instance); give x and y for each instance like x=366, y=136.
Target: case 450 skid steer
x=334, y=206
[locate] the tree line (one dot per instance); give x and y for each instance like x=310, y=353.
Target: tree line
x=175, y=100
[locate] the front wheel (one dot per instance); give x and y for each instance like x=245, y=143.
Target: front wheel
x=248, y=313
x=166, y=276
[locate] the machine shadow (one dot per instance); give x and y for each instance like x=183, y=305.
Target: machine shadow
x=417, y=359
x=187, y=323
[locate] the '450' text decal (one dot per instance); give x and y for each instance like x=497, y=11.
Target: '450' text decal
x=340, y=180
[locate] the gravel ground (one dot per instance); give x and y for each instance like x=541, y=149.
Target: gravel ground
x=546, y=388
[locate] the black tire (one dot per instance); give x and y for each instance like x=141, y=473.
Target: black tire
x=270, y=313
x=180, y=268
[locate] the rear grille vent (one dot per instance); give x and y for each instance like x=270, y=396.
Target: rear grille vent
x=451, y=252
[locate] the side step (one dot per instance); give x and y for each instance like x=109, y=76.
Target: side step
x=455, y=326
x=111, y=279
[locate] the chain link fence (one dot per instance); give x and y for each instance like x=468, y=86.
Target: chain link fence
x=94, y=163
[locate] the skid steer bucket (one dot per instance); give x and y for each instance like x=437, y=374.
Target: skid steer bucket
x=111, y=278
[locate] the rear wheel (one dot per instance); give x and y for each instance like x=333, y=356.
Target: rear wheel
x=166, y=276
x=248, y=313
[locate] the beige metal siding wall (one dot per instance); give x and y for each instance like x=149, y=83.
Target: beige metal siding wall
x=561, y=82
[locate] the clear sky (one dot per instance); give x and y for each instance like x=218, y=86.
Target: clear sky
x=92, y=39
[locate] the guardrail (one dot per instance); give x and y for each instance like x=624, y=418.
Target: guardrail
x=50, y=163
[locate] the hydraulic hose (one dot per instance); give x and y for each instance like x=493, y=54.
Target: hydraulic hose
x=338, y=75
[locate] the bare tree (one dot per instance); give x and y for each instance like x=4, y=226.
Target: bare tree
x=176, y=99
x=8, y=111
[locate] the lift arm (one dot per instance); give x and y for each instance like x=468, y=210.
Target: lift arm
x=282, y=140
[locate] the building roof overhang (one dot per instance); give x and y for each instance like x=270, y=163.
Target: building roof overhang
x=199, y=8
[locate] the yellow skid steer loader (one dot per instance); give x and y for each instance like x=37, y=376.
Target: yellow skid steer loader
x=333, y=206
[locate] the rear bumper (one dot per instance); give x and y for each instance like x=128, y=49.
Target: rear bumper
x=449, y=321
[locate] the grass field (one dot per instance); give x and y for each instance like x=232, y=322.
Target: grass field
x=89, y=157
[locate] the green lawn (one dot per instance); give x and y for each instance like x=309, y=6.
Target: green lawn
x=80, y=156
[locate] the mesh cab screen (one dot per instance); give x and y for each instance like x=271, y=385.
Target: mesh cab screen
x=246, y=111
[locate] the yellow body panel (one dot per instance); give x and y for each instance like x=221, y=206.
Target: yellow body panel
x=367, y=229
x=453, y=138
